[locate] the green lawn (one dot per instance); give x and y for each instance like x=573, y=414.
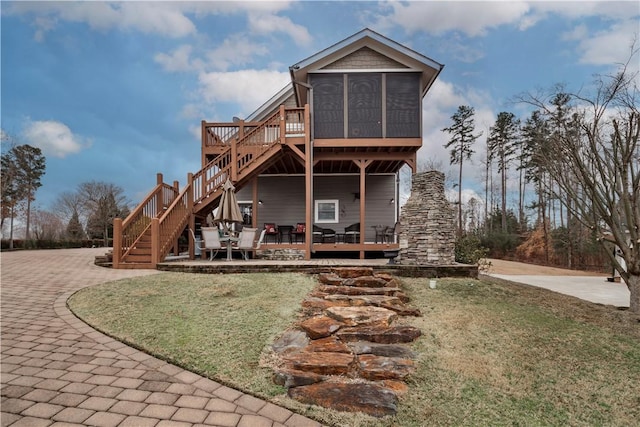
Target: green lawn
x=490, y=354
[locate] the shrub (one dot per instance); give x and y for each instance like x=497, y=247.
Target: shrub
x=469, y=249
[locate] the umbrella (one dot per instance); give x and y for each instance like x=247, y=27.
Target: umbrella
x=228, y=210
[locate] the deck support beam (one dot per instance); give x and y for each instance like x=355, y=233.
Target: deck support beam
x=308, y=180
x=362, y=164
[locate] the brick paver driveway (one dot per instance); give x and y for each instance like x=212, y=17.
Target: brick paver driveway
x=58, y=371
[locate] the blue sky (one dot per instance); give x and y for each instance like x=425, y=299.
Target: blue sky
x=115, y=92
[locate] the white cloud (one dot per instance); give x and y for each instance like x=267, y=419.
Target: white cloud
x=578, y=33
x=165, y=18
x=467, y=194
x=267, y=23
x=235, y=50
x=611, y=46
x=178, y=60
x=614, y=10
x=248, y=88
x=471, y=18
x=53, y=138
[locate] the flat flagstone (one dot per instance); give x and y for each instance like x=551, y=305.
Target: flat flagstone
x=330, y=344
x=321, y=326
x=388, y=350
x=288, y=377
x=321, y=363
x=398, y=334
x=355, y=397
x=376, y=368
x=365, y=315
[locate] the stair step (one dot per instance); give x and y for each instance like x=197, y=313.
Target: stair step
x=136, y=265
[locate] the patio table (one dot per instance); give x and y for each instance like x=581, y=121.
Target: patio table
x=229, y=240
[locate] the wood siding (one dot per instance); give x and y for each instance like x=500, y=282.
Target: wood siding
x=364, y=58
x=283, y=200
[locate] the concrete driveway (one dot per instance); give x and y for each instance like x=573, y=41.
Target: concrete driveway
x=58, y=371
x=594, y=289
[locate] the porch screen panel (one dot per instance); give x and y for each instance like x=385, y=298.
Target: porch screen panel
x=403, y=105
x=365, y=105
x=328, y=105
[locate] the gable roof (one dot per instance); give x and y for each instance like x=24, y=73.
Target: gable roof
x=397, y=57
x=365, y=38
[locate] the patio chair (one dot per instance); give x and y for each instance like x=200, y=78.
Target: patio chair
x=323, y=235
x=261, y=238
x=299, y=231
x=272, y=231
x=211, y=241
x=352, y=233
x=245, y=241
x=390, y=233
x=380, y=230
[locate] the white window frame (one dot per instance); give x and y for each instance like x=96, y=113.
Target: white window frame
x=336, y=211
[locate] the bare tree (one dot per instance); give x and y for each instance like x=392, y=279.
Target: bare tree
x=603, y=156
x=102, y=201
x=46, y=225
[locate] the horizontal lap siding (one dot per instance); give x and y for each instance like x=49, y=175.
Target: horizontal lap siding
x=283, y=200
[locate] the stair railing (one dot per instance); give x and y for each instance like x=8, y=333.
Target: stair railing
x=253, y=143
x=127, y=232
x=166, y=211
x=166, y=229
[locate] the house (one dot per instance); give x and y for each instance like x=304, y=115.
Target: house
x=324, y=151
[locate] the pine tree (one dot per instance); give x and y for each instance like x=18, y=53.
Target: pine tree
x=503, y=136
x=462, y=138
x=74, y=228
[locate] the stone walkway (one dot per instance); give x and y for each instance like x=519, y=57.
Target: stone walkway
x=57, y=371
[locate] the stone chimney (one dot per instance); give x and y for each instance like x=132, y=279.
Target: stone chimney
x=427, y=223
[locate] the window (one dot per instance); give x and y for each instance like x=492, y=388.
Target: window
x=326, y=211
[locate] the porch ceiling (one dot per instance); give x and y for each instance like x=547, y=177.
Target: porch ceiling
x=340, y=160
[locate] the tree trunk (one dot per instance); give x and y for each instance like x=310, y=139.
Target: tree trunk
x=11, y=228
x=460, y=197
x=633, y=283
x=503, y=204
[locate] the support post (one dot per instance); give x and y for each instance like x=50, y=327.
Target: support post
x=283, y=126
x=308, y=179
x=117, y=242
x=255, y=206
x=234, y=155
x=155, y=241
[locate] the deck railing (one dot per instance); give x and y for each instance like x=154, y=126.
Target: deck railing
x=243, y=141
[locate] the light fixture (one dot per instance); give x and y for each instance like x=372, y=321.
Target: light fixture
x=260, y=201
x=392, y=201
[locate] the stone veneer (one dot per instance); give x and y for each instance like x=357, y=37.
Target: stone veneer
x=427, y=223
x=280, y=254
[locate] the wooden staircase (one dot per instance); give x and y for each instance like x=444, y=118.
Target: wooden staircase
x=151, y=231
